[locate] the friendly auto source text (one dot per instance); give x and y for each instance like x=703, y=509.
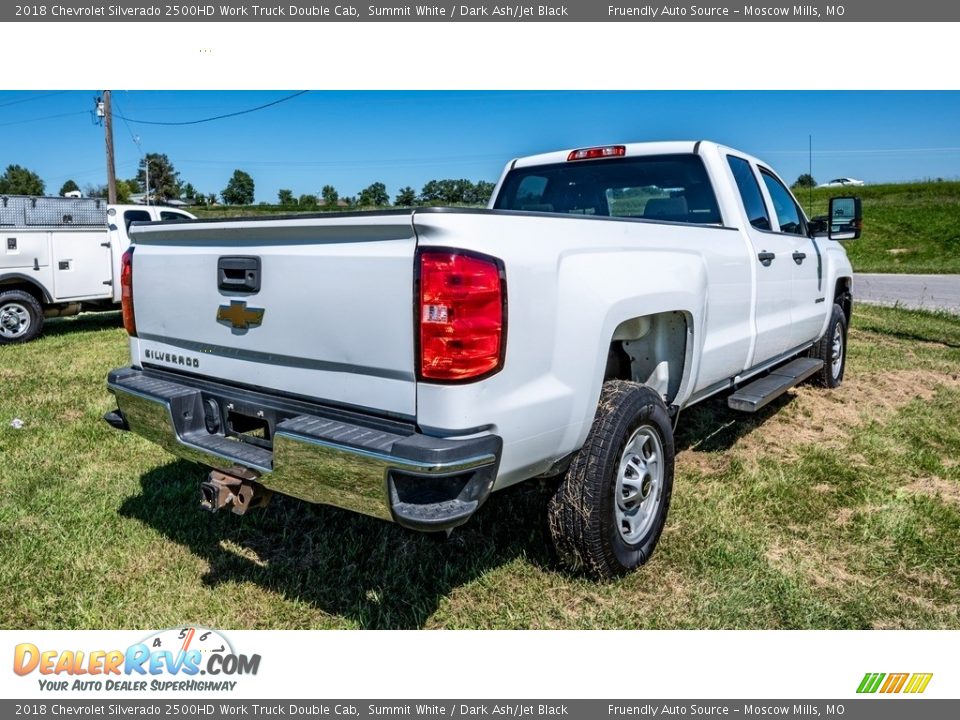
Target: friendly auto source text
x=655, y=11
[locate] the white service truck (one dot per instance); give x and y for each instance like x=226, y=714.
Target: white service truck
x=59, y=256
x=406, y=364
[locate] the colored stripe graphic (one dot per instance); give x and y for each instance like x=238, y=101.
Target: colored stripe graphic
x=918, y=682
x=870, y=682
x=894, y=683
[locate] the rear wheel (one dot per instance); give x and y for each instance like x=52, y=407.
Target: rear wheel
x=608, y=513
x=832, y=349
x=21, y=317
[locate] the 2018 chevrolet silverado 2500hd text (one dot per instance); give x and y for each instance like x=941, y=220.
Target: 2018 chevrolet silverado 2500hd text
x=59, y=256
x=406, y=364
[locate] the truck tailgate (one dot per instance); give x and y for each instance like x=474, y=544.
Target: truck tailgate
x=336, y=295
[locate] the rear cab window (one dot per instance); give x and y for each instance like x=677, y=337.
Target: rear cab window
x=132, y=216
x=666, y=188
x=750, y=194
x=174, y=216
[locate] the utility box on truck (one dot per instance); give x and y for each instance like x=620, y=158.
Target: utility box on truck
x=59, y=256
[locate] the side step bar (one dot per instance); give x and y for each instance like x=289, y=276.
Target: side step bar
x=754, y=396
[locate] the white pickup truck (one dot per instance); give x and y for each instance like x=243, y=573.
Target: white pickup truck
x=406, y=364
x=59, y=256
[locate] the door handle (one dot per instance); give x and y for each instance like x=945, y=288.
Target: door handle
x=798, y=257
x=766, y=258
x=238, y=274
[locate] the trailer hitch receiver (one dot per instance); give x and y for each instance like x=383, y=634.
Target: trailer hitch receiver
x=221, y=491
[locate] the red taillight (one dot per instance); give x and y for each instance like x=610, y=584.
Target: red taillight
x=462, y=322
x=597, y=152
x=126, y=292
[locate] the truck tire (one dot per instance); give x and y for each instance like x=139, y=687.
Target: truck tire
x=608, y=512
x=832, y=349
x=21, y=317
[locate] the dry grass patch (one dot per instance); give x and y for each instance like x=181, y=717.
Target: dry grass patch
x=827, y=419
x=822, y=568
x=936, y=487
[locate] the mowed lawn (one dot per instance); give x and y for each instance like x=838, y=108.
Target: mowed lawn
x=829, y=510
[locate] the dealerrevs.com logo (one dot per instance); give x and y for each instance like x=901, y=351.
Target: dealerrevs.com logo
x=178, y=659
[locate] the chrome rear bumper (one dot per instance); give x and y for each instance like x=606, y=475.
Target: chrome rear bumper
x=365, y=464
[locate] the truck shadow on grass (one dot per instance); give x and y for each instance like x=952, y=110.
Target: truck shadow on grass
x=711, y=426
x=84, y=322
x=371, y=573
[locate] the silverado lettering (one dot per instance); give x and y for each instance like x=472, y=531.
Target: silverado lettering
x=170, y=358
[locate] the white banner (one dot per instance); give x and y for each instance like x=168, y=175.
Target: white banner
x=196, y=662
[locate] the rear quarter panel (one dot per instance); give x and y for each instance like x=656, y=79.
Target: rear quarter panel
x=570, y=282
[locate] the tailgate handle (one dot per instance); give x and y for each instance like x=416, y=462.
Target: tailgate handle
x=238, y=274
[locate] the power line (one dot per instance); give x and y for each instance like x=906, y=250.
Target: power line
x=871, y=151
x=216, y=117
x=377, y=162
x=32, y=98
x=88, y=173
x=133, y=136
x=45, y=117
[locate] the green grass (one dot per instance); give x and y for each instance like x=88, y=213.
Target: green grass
x=908, y=227
x=828, y=510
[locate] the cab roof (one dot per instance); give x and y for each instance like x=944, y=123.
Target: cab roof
x=670, y=147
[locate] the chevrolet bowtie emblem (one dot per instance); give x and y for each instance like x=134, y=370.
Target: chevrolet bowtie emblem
x=238, y=316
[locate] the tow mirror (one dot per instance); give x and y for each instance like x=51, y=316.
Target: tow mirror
x=845, y=218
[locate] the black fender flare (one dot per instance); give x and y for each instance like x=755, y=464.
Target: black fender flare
x=21, y=279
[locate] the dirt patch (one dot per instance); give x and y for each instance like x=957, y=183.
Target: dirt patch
x=824, y=418
x=71, y=415
x=945, y=490
x=706, y=463
x=821, y=569
x=900, y=251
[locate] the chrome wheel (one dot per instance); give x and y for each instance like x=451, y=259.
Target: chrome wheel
x=639, y=484
x=14, y=320
x=836, y=351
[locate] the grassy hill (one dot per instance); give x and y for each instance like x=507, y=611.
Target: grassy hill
x=908, y=227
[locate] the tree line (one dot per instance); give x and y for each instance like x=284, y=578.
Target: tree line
x=157, y=175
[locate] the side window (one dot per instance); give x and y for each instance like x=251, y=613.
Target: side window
x=788, y=214
x=131, y=216
x=175, y=216
x=749, y=192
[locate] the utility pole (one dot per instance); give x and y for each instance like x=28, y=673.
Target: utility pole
x=108, y=133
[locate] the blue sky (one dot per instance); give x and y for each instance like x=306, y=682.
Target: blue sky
x=350, y=139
